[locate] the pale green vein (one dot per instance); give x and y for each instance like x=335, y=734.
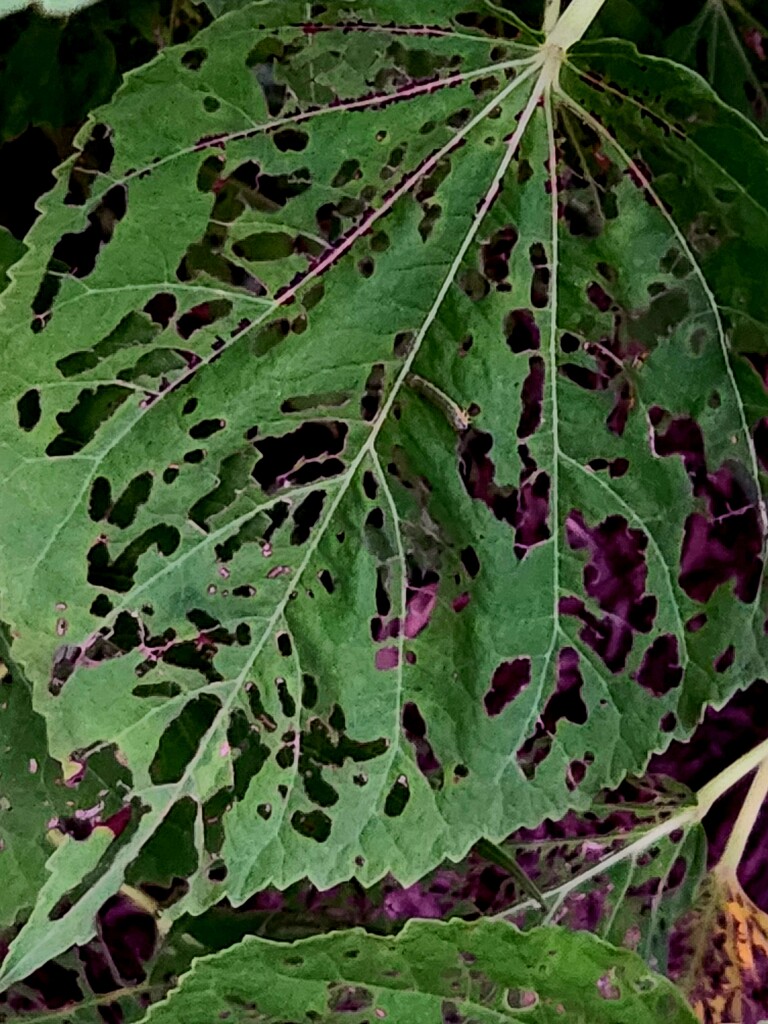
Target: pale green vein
x=402, y=611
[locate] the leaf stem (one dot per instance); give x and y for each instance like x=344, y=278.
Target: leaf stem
x=573, y=23
x=551, y=15
x=729, y=776
x=689, y=815
x=733, y=854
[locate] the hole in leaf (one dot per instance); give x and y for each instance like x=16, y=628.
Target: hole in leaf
x=470, y=561
x=193, y=59
x=125, y=509
x=302, y=456
x=473, y=284
x=531, y=398
x=522, y=331
x=397, y=798
x=540, y=280
x=306, y=516
x=180, y=741
x=118, y=574
x=96, y=156
x=81, y=423
x=161, y=308
x=566, y=703
x=508, y=682
x=28, y=409
x=314, y=825
x=415, y=730
x=725, y=660
x=291, y=140
x=660, y=670
x=495, y=254
x=374, y=387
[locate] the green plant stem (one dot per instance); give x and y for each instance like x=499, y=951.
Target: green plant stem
x=729, y=776
x=733, y=854
x=689, y=815
x=551, y=15
x=573, y=23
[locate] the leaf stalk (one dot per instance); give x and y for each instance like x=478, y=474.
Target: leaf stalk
x=733, y=854
x=690, y=815
x=573, y=23
x=551, y=15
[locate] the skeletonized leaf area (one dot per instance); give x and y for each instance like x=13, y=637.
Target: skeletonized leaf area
x=375, y=472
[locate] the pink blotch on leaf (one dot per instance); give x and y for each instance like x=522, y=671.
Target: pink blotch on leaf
x=118, y=822
x=387, y=658
x=420, y=608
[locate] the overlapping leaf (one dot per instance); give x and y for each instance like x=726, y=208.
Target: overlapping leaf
x=378, y=474
x=721, y=950
x=724, y=40
x=56, y=8
x=28, y=799
x=430, y=973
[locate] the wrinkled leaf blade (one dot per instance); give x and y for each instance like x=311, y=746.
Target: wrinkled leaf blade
x=28, y=799
x=68, y=867
x=360, y=656
x=486, y=972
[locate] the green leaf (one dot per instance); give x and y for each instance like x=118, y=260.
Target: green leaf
x=430, y=973
x=359, y=408
x=68, y=867
x=55, y=8
x=11, y=250
x=219, y=7
x=53, y=72
x=28, y=799
x=634, y=903
x=726, y=43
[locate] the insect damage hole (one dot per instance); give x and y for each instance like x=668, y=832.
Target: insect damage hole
x=29, y=410
x=508, y=682
x=301, y=456
x=397, y=798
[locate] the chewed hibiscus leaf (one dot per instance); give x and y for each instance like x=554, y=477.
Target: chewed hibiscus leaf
x=381, y=437
x=486, y=972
